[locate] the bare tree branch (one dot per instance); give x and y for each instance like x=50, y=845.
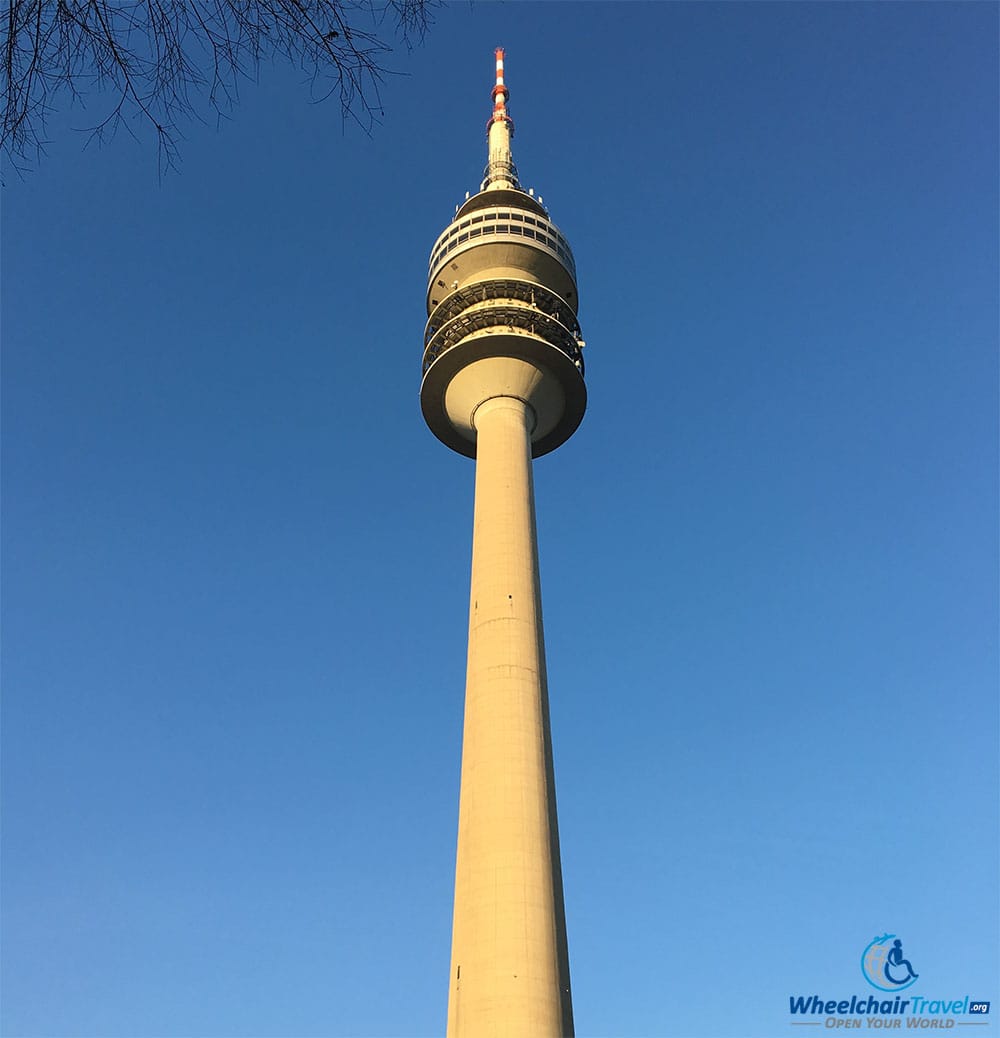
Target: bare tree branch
x=161, y=61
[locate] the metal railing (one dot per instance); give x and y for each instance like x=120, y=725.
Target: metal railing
x=499, y=171
x=502, y=291
x=502, y=317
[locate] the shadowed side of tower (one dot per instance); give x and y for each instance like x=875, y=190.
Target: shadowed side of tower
x=503, y=383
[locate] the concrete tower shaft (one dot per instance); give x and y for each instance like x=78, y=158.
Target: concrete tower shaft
x=509, y=953
x=503, y=382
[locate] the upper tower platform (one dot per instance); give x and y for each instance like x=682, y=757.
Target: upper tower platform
x=502, y=305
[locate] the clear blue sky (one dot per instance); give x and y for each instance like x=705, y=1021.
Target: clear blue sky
x=236, y=562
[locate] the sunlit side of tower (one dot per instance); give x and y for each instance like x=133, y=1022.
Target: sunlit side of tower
x=503, y=383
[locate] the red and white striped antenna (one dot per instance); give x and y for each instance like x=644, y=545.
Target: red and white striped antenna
x=500, y=95
x=500, y=170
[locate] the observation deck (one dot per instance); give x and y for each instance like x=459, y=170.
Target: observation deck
x=501, y=283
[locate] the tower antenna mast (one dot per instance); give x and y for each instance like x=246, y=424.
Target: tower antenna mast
x=500, y=170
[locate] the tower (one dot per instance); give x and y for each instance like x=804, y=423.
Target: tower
x=503, y=383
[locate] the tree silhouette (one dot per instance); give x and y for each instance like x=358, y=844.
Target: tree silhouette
x=162, y=61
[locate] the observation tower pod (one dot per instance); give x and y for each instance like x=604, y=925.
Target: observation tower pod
x=502, y=306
